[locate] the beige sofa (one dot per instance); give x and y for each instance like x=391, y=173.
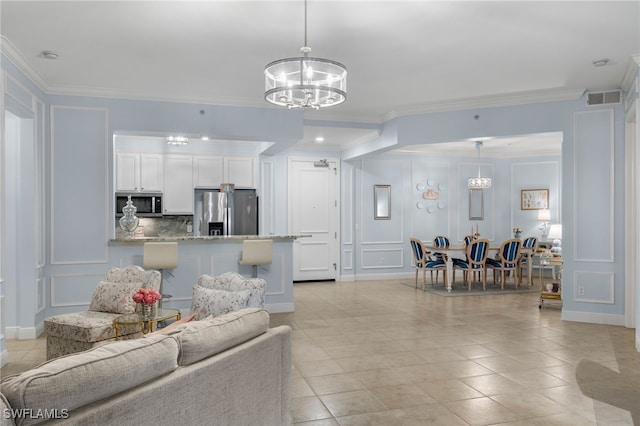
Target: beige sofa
x=228, y=370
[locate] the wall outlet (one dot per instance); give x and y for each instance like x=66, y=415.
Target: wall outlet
x=580, y=290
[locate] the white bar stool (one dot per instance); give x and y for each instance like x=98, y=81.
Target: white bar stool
x=256, y=252
x=160, y=256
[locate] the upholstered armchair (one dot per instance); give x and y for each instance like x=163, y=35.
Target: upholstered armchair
x=226, y=293
x=78, y=331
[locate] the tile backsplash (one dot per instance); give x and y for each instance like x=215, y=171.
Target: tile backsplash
x=168, y=226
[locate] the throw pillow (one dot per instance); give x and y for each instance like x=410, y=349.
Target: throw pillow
x=208, y=301
x=116, y=298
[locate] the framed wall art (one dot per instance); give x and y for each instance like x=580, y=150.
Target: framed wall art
x=534, y=199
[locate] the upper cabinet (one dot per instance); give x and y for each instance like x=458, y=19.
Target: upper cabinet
x=208, y=172
x=139, y=172
x=178, y=187
x=239, y=171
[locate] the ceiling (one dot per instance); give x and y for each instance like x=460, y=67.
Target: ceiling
x=403, y=57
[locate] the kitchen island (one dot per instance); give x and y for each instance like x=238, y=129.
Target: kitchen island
x=215, y=255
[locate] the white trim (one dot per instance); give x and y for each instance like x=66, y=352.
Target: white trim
x=107, y=224
x=24, y=333
x=347, y=260
x=346, y=278
x=610, y=200
x=593, y=318
x=383, y=266
x=631, y=216
x=385, y=276
x=27, y=92
x=347, y=207
x=18, y=59
x=52, y=303
x=277, y=308
x=578, y=298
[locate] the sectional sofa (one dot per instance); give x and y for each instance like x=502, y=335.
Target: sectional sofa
x=226, y=370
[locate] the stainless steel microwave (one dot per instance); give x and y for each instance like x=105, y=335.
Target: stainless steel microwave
x=149, y=204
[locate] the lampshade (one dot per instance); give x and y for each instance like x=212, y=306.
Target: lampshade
x=555, y=231
x=305, y=82
x=544, y=215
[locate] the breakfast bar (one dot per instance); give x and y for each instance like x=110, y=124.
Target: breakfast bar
x=215, y=255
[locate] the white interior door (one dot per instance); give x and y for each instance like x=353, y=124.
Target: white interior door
x=313, y=210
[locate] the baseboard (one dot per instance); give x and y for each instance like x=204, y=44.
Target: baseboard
x=593, y=318
x=23, y=333
x=347, y=278
x=279, y=308
x=387, y=276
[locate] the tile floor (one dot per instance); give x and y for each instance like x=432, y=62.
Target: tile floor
x=382, y=353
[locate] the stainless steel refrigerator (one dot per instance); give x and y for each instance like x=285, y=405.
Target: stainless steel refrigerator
x=234, y=213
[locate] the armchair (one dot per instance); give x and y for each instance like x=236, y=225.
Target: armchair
x=78, y=331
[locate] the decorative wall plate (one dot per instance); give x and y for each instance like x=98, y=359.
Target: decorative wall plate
x=441, y=205
x=441, y=186
x=420, y=187
x=420, y=205
x=431, y=209
x=430, y=182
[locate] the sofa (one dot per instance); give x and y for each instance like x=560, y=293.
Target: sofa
x=78, y=331
x=226, y=370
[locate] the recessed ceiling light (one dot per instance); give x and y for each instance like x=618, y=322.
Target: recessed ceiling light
x=204, y=138
x=50, y=54
x=319, y=139
x=600, y=62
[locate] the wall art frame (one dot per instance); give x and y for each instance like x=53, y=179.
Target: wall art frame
x=534, y=199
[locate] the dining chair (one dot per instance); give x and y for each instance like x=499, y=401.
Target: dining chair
x=508, y=260
x=443, y=242
x=423, y=261
x=530, y=243
x=475, y=261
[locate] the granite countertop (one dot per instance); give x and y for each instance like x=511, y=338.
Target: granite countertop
x=209, y=238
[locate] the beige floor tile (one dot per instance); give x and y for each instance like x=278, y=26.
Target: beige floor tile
x=534, y=379
x=529, y=404
x=352, y=402
x=334, y=383
x=308, y=408
x=300, y=388
x=493, y=384
x=399, y=396
x=482, y=411
x=323, y=422
x=449, y=390
x=318, y=368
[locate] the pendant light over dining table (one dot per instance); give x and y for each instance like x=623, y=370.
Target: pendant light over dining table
x=305, y=82
x=479, y=182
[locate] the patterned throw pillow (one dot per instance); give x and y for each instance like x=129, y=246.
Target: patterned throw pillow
x=208, y=301
x=116, y=298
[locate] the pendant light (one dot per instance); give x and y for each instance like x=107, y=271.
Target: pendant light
x=479, y=182
x=305, y=82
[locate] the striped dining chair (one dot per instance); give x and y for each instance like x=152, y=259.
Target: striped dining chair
x=508, y=260
x=443, y=242
x=423, y=261
x=530, y=243
x=477, y=252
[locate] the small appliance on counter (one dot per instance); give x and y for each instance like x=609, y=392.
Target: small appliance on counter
x=148, y=204
x=229, y=213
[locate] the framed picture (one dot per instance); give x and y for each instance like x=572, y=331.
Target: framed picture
x=534, y=199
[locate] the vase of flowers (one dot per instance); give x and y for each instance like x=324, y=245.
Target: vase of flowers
x=517, y=232
x=146, y=302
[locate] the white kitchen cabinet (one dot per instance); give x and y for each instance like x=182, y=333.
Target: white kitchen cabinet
x=178, y=184
x=208, y=171
x=239, y=171
x=139, y=172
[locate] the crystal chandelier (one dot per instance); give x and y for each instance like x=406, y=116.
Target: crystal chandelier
x=479, y=182
x=305, y=82
x=177, y=140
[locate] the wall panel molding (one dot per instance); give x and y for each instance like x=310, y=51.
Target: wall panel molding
x=367, y=261
x=593, y=193
x=594, y=284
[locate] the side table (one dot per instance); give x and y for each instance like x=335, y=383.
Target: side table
x=146, y=324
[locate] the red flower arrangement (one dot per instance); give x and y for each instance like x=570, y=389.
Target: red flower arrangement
x=146, y=296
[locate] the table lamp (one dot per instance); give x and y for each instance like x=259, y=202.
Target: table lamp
x=555, y=234
x=544, y=216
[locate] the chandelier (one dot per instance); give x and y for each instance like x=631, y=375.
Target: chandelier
x=305, y=82
x=177, y=140
x=479, y=182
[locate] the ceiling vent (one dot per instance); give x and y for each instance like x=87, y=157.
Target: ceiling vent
x=601, y=98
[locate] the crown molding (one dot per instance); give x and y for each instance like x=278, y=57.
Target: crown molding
x=20, y=61
x=630, y=73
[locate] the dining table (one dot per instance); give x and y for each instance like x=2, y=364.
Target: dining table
x=449, y=252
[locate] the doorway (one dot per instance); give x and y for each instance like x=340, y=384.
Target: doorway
x=314, y=211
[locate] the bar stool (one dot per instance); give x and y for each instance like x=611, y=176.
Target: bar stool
x=256, y=252
x=161, y=256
